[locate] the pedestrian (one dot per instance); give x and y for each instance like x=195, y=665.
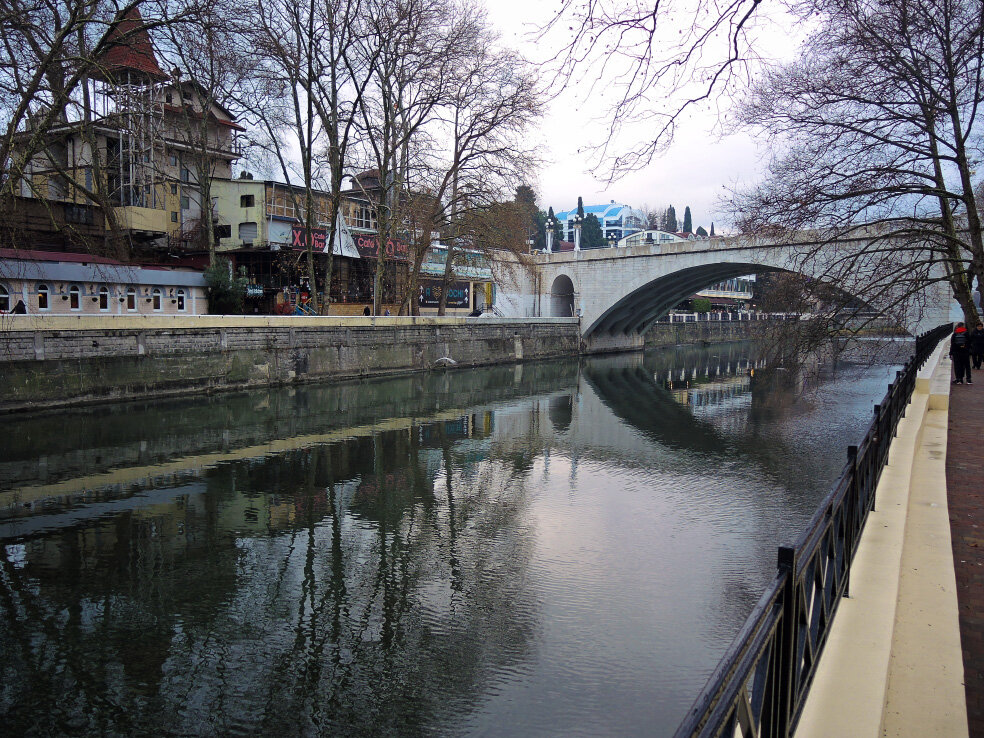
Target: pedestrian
x=977, y=345
x=366, y=310
x=19, y=308
x=960, y=353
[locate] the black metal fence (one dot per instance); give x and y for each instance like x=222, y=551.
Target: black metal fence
x=760, y=686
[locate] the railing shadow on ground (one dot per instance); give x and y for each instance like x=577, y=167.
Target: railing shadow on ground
x=760, y=686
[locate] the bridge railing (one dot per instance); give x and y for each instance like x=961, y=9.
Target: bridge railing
x=760, y=686
x=725, y=316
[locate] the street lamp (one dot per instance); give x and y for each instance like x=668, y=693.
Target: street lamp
x=611, y=240
x=576, y=221
x=550, y=224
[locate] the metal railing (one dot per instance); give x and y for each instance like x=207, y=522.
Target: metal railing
x=760, y=686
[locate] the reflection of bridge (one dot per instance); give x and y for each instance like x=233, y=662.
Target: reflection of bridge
x=619, y=293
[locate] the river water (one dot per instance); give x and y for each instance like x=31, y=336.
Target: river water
x=560, y=548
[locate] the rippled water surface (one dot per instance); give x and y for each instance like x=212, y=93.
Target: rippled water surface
x=545, y=549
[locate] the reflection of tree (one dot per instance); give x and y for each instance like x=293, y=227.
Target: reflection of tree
x=334, y=588
x=102, y=438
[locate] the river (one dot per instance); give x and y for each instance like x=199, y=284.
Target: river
x=556, y=548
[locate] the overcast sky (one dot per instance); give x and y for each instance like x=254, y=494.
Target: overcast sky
x=692, y=172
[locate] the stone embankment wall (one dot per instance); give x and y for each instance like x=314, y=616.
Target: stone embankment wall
x=51, y=361
x=674, y=334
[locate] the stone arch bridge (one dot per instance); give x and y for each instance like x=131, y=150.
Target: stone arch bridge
x=619, y=292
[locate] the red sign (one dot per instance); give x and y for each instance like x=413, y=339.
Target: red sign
x=368, y=247
x=319, y=238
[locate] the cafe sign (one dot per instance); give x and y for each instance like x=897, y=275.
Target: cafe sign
x=368, y=248
x=319, y=238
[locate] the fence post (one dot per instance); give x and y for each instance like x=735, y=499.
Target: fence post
x=787, y=644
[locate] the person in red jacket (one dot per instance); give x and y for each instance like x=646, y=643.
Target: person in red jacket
x=960, y=353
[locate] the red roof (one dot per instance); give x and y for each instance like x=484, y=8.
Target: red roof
x=128, y=48
x=65, y=256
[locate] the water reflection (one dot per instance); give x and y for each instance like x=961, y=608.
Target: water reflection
x=554, y=548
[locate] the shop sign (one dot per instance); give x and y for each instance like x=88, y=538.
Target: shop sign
x=254, y=290
x=319, y=238
x=368, y=247
x=430, y=295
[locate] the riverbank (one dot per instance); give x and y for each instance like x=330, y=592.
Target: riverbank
x=54, y=361
x=58, y=361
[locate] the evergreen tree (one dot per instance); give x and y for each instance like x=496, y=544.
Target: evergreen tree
x=688, y=224
x=591, y=235
x=712, y=229
x=580, y=208
x=701, y=232
x=669, y=221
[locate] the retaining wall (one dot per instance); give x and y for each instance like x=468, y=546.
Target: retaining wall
x=50, y=361
x=673, y=334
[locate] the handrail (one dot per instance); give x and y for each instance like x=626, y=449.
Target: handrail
x=759, y=688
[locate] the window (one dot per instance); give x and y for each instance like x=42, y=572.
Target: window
x=75, y=297
x=185, y=202
x=104, y=299
x=174, y=189
x=180, y=297
x=174, y=216
x=247, y=232
x=223, y=231
x=81, y=214
x=131, y=299
x=157, y=299
x=4, y=299
x=173, y=160
x=185, y=174
x=43, y=295
x=247, y=201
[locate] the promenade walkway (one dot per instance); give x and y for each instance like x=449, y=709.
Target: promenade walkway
x=913, y=625
x=965, y=497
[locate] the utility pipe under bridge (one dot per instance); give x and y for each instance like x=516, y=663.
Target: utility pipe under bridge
x=619, y=292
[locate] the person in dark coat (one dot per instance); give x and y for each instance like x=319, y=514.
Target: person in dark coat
x=960, y=353
x=366, y=310
x=19, y=308
x=977, y=345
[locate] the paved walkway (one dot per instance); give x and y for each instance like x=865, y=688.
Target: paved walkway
x=894, y=663
x=965, y=497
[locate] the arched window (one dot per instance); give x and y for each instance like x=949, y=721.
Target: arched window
x=180, y=297
x=104, y=299
x=4, y=299
x=157, y=296
x=75, y=297
x=131, y=299
x=43, y=296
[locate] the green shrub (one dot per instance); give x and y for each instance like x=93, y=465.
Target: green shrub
x=226, y=291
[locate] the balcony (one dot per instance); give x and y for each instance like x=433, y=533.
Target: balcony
x=142, y=220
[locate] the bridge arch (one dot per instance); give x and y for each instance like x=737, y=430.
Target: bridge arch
x=562, y=297
x=639, y=309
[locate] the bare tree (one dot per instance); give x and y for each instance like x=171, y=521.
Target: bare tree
x=660, y=58
x=210, y=48
x=877, y=125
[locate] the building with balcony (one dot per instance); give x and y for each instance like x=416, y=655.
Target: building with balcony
x=138, y=158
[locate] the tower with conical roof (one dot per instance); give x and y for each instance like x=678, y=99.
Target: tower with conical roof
x=128, y=78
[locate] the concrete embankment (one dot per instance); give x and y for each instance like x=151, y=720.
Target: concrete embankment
x=892, y=665
x=52, y=361
x=674, y=334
